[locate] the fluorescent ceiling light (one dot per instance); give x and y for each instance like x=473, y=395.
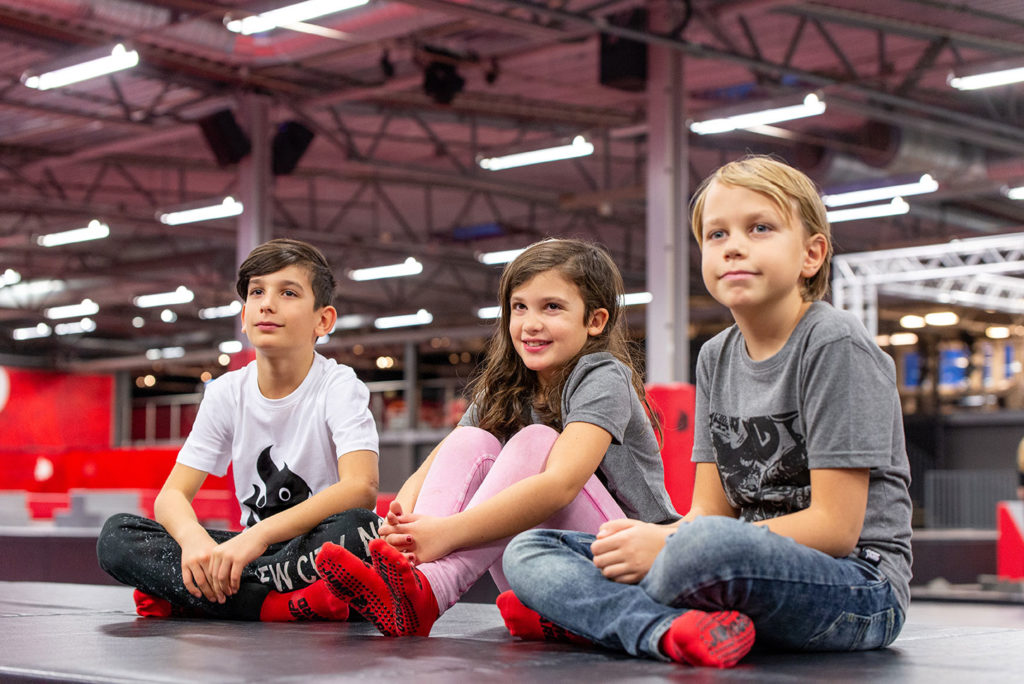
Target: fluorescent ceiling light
x=912, y=322
x=578, y=148
x=501, y=257
x=165, y=353
x=488, y=312
x=407, y=268
x=86, y=325
x=226, y=311
x=350, y=322
x=942, y=318
x=229, y=206
x=633, y=298
x=168, y=316
x=229, y=347
x=33, y=333
x=924, y=185
x=94, y=231
x=810, y=105
x=117, y=59
x=902, y=339
x=9, y=277
x=894, y=208
x=421, y=317
x=1014, y=193
x=997, y=332
x=303, y=11
x=182, y=295
x=86, y=308
x=991, y=77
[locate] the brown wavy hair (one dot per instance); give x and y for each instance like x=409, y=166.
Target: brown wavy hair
x=504, y=390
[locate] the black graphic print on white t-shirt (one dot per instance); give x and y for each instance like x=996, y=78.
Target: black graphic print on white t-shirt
x=279, y=489
x=763, y=464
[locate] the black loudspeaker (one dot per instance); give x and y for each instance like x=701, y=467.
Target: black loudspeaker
x=226, y=139
x=290, y=143
x=623, y=62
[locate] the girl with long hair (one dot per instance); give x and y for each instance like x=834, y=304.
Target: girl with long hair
x=558, y=435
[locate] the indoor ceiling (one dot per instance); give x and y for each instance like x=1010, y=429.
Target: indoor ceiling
x=391, y=172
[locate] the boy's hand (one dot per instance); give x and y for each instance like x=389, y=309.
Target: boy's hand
x=228, y=560
x=625, y=549
x=195, y=559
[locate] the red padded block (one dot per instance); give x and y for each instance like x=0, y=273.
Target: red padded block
x=384, y=500
x=1010, y=544
x=43, y=505
x=674, y=405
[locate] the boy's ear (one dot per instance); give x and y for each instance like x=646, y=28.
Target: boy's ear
x=241, y=318
x=328, y=317
x=815, y=249
x=598, y=319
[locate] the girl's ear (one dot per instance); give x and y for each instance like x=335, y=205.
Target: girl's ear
x=598, y=319
x=815, y=249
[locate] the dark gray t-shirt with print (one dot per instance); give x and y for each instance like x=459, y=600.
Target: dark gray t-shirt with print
x=827, y=399
x=599, y=391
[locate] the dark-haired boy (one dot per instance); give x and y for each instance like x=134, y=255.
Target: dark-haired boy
x=297, y=431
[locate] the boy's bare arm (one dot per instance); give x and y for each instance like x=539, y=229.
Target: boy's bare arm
x=356, y=488
x=833, y=522
x=173, y=509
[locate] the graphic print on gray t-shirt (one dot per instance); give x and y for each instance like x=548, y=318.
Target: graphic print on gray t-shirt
x=762, y=461
x=281, y=489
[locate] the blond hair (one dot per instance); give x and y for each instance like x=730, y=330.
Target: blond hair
x=790, y=190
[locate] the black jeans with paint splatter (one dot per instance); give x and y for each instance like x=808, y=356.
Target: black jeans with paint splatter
x=140, y=553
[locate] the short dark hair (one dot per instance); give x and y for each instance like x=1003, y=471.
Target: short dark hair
x=276, y=254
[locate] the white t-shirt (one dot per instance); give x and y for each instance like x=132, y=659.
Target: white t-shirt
x=283, y=450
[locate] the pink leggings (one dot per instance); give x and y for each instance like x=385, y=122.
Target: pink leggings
x=471, y=466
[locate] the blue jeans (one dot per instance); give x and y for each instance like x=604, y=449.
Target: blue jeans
x=798, y=597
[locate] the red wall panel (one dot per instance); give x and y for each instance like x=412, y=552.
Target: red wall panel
x=48, y=411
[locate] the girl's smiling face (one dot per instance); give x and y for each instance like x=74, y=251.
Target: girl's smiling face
x=548, y=323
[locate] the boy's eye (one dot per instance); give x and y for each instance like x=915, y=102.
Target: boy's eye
x=715, y=235
x=255, y=291
x=761, y=228
x=552, y=305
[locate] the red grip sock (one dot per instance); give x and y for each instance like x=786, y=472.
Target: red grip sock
x=148, y=605
x=415, y=606
x=151, y=606
x=528, y=624
x=314, y=602
x=718, y=639
x=352, y=580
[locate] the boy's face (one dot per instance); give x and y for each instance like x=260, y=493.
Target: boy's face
x=754, y=256
x=280, y=314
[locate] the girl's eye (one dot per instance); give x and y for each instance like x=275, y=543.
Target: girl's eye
x=516, y=306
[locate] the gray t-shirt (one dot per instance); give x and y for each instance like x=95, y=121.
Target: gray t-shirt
x=827, y=399
x=599, y=391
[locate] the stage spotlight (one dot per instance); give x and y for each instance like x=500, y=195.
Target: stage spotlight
x=387, y=67
x=442, y=82
x=492, y=72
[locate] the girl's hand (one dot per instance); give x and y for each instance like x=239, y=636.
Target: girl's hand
x=227, y=560
x=195, y=558
x=421, y=538
x=625, y=549
x=389, y=532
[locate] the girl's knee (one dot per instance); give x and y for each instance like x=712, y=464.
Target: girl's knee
x=533, y=442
